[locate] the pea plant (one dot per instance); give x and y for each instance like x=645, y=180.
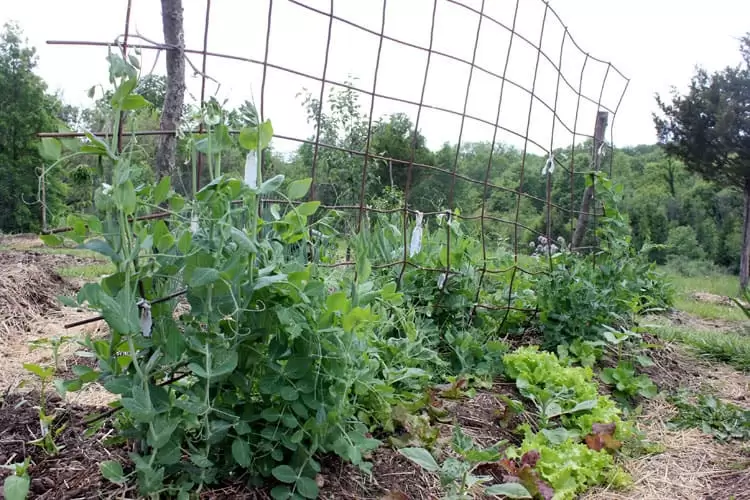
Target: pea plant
x=256, y=378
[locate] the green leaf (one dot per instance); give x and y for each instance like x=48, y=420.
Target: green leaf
x=270, y=415
x=201, y=460
x=298, y=367
x=97, y=146
x=51, y=240
x=224, y=362
x=203, y=276
x=183, y=244
x=248, y=138
x=242, y=240
x=307, y=487
x=584, y=406
x=285, y=474
x=59, y=385
x=133, y=102
x=176, y=202
x=557, y=436
x=16, y=487
x=50, y=149
x=265, y=281
x=299, y=188
x=42, y=373
x=125, y=197
x=193, y=407
x=272, y=184
x=308, y=208
x=337, y=302
x=139, y=406
x=162, y=190
x=126, y=87
x=102, y=247
x=289, y=393
x=241, y=452
x=134, y=61
x=508, y=490
x=160, y=430
x=421, y=457
x=281, y=492
x=648, y=391
x=644, y=360
x=112, y=471
x=85, y=373
x=265, y=134
x=118, y=385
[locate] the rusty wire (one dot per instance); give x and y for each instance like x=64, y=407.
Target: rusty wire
x=503, y=80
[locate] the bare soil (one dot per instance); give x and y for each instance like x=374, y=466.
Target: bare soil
x=74, y=471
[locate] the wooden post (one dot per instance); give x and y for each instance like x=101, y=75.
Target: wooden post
x=602, y=120
x=44, y=200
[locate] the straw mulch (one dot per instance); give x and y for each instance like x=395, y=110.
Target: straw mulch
x=692, y=466
x=29, y=287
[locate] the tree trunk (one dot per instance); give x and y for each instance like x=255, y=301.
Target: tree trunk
x=745, y=255
x=174, y=37
x=602, y=119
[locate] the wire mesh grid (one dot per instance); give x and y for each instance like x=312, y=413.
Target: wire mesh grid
x=554, y=106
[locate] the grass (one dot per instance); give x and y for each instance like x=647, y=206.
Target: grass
x=715, y=283
x=87, y=272
x=53, y=251
x=726, y=347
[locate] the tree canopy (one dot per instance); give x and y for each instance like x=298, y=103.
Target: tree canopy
x=709, y=130
x=25, y=109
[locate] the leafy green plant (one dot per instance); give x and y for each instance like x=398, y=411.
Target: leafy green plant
x=265, y=371
x=55, y=344
x=457, y=473
x=724, y=421
x=575, y=454
x=584, y=352
x=16, y=486
x=627, y=384
x=558, y=391
x=567, y=466
x=581, y=296
x=46, y=440
x=520, y=472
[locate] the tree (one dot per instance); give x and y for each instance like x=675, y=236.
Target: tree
x=25, y=109
x=154, y=89
x=709, y=130
x=174, y=37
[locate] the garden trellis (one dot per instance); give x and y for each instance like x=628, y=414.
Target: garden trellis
x=567, y=82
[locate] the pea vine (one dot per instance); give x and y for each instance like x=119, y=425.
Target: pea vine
x=255, y=379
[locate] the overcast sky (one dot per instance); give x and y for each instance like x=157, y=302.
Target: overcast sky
x=655, y=43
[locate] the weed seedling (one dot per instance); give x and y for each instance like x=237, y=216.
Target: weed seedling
x=16, y=486
x=47, y=439
x=722, y=420
x=457, y=473
x=627, y=384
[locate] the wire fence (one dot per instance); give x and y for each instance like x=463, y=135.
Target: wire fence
x=522, y=80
